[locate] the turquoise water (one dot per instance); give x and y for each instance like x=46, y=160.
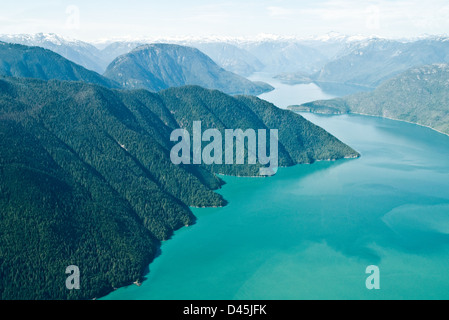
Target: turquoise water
x=310, y=231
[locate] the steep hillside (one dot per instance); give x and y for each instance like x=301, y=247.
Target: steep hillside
x=86, y=177
x=34, y=62
x=82, y=53
x=419, y=95
x=160, y=66
x=371, y=62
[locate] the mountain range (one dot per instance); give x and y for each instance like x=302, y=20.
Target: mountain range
x=230, y=57
x=80, y=52
x=360, y=62
x=372, y=62
x=247, y=57
x=160, y=66
x=35, y=62
x=325, y=59
x=153, y=67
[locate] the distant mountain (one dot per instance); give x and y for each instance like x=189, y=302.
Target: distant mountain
x=266, y=53
x=419, y=95
x=82, y=53
x=327, y=57
x=230, y=57
x=35, y=62
x=86, y=177
x=227, y=56
x=159, y=66
x=286, y=56
x=244, y=57
x=116, y=49
x=371, y=62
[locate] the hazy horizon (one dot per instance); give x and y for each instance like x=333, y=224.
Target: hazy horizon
x=100, y=20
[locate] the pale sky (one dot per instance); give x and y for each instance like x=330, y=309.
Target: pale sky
x=100, y=19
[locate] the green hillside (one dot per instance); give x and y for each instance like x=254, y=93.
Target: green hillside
x=419, y=95
x=157, y=67
x=86, y=177
x=34, y=62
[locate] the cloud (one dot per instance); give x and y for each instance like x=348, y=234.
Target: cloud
x=388, y=18
x=279, y=11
